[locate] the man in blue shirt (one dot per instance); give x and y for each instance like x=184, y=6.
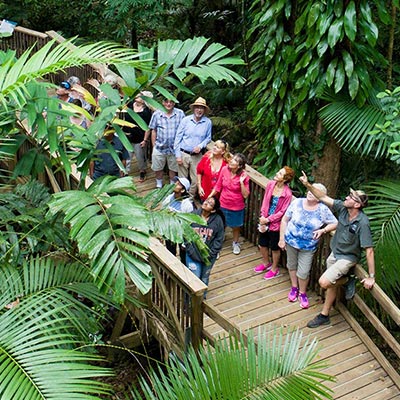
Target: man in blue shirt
x=353, y=234
x=192, y=137
x=104, y=164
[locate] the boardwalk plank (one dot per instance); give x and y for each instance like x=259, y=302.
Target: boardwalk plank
x=252, y=303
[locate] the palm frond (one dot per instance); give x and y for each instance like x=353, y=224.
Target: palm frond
x=384, y=215
x=16, y=73
x=111, y=227
x=351, y=125
x=32, y=350
x=278, y=367
x=60, y=282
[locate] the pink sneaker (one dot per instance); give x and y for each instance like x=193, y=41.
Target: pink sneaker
x=303, y=300
x=271, y=274
x=294, y=292
x=262, y=267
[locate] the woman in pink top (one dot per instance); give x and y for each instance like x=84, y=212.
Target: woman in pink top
x=277, y=199
x=233, y=186
x=210, y=167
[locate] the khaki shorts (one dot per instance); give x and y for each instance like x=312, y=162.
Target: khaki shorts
x=158, y=161
x=335, y=269
x=300, y=261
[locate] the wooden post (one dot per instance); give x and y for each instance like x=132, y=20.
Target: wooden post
x=196, y=320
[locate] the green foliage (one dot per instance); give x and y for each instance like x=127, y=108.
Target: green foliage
x=387, y=133
x=175, y=62
x=40, y=326
x=60, y=282
x=351, y=125
x=384, y=214
x=24, y=230
x=300, y=49
x=112, y=227
x=15, y=74
x=271, y=366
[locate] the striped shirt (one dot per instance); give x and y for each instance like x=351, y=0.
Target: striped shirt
x=165, y=128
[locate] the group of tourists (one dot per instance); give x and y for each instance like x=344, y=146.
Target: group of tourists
x=296, y=225
x=221, y=185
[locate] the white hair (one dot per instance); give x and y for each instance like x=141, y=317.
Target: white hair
x=320, y=187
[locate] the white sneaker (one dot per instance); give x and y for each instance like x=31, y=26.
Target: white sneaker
x=236, y=248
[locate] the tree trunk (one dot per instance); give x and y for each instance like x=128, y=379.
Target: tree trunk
x=327, y=167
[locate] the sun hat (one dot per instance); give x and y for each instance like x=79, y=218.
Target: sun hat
x=359, y=196
x=200, y=102
x=184, y=182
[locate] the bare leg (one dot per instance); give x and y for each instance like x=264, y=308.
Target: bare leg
x=236, y=234
x=172, y=175
x=159, y=174
x=331, y=293
x=276, y=255
x=329, y=300
x=265, y=254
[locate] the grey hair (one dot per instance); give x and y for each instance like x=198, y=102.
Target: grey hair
x=320, y=187
x=74, y=80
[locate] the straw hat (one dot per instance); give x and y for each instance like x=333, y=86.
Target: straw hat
x=200, y=102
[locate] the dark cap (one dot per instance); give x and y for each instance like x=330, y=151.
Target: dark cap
x=65, y=85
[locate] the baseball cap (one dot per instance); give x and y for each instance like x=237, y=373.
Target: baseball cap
x=65, y=85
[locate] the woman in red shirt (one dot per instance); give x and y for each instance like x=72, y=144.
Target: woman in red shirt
x=210, y=166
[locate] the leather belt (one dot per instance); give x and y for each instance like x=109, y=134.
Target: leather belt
x=191, y=153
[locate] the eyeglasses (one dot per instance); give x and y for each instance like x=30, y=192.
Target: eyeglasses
x=354, y=198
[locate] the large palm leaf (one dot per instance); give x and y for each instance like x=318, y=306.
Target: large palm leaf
x=277, y=367
x=112, y=227
x=62, y=284
x=175, y=61
x=351, y=125
x=40, y=326
x=384, y=214
x=52, y=57
x=33, y=363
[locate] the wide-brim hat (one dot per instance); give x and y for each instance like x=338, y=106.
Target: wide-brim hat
x=359, y=196
x=200, y=102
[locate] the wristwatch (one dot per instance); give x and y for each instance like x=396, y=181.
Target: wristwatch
x=372, y=276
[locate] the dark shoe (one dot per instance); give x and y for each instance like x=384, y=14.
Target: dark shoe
x=142, y=176
x=318, y=321
x=350, y=287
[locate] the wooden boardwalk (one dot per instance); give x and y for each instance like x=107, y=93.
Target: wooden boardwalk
x=250, y=302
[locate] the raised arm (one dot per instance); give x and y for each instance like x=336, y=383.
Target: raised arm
x=316, y=192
